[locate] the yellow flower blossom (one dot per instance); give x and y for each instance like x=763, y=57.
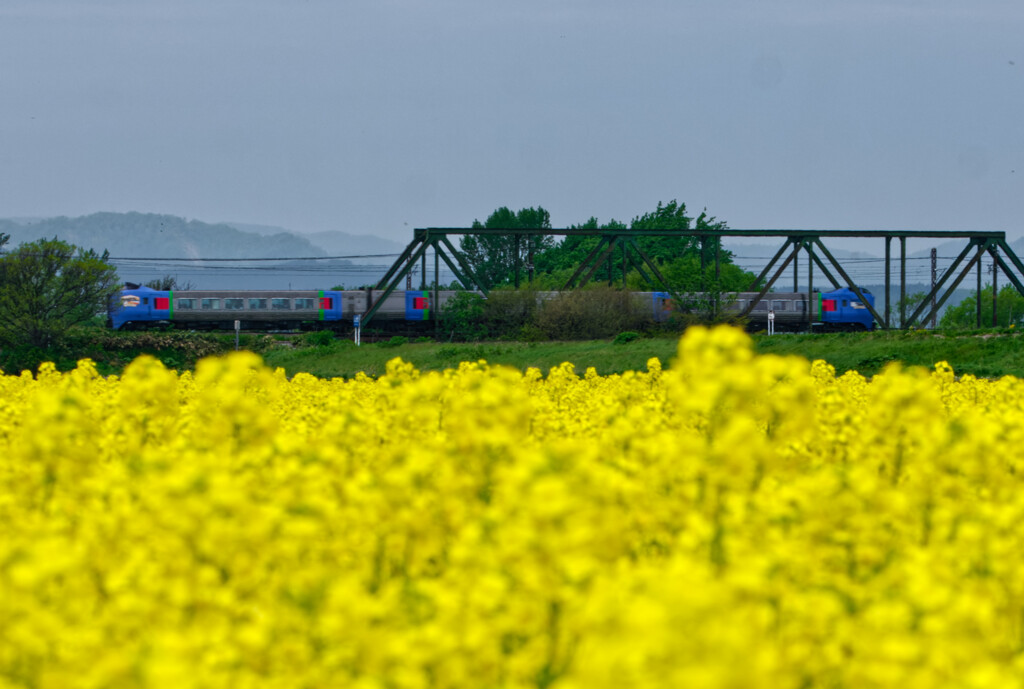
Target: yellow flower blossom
x=732, y=520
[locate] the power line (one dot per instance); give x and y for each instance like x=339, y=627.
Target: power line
x=293, y=258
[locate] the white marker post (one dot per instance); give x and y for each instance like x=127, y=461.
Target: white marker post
x=238, y=327
x=355, y=321
x=771, y=322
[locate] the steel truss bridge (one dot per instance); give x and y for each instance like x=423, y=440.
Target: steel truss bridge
x=436, y=240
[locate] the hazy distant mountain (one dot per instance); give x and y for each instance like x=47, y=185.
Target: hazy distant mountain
x=134, y=236
x=159, y=236
x=342, y=244
x=336, y=243
x=25, y=221
x=259, y=229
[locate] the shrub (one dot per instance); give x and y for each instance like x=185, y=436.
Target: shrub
x=14, y=360
x=531, y=333
x=396, y=341
x=461, y=317
x=258, y=343
x=317, y=338
x=447, y=352
x=507, y=310
x=626, y=337
x=592, y=314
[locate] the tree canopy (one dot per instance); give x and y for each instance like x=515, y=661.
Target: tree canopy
x=494, y=256
x=678, y=258
x=47, y=286
x=1009, y=309
x=169, y=282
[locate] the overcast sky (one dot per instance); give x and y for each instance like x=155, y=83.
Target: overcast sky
x=378, y=116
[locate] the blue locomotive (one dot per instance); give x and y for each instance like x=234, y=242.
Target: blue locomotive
x=843, y=308
x=840, y=309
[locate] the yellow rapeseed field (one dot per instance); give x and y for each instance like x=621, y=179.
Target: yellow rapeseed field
x=732, y=521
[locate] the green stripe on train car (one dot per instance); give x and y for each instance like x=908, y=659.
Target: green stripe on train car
x=320, y=303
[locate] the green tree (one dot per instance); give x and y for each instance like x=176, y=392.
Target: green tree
x=169, y=282
x=907, y=306
x=678, y=258
x=669, y=216
x=494, y=256
x=563, y=258
x=1009, y=309
x=46, y=287
x=461, y=317
x=672, y=216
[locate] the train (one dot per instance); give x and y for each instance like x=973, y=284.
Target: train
x=838, y=310
x=139, y=308
x=142, y=308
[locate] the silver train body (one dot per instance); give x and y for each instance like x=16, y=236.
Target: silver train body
x=142, y=307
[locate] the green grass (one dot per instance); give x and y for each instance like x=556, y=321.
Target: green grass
x=989, y=354
x=985, y=353
x=347, y=360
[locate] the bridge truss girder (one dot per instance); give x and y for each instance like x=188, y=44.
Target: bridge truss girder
x=795, y=241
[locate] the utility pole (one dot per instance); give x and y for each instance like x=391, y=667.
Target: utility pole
x=888, y=284
x=935, y=269
x=977, y=319
x=995, y=294
x=810, y=289
x=903, y=281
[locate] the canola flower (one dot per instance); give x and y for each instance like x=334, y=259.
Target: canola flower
x=731, y=521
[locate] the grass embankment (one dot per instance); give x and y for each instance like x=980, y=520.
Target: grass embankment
x=112, y=351
x=988, y=354
x=347, y=360
x=984, y=354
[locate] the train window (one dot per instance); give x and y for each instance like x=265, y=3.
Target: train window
x=780, y=305
x=304, y=304
x=801, y=306
x=845, y=303
x=761, y=306
x=186, y=304
x=257, y=303
x=209, y=304
x=145, y=301
x=234, y=304
x=280, y=304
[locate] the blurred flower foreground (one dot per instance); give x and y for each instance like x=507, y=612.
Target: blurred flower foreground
x=733, y=521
